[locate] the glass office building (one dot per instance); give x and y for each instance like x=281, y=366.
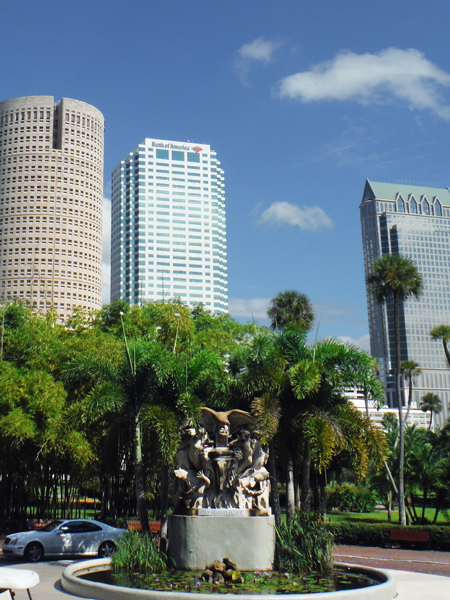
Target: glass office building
x=168, y=225
x=415, y=222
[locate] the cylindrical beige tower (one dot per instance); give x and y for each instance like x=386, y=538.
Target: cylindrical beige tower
x=51, y=201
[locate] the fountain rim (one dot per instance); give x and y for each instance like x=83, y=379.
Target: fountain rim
x=72, y=584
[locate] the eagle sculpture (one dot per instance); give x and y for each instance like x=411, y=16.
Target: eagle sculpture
x=222, y=424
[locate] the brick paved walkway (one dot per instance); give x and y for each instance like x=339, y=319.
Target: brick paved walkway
x=419, y=561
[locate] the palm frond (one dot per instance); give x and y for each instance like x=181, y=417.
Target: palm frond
x=266, y=410
x=163, y=423
x=322, y=441
x=305, y=378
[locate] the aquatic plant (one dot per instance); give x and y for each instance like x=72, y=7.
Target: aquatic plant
x=136, y=553
x=303, y=545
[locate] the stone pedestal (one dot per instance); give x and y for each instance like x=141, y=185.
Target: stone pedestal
x=195, y=541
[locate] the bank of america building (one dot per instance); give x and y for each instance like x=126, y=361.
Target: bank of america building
x=168, y=225
x=415, y=222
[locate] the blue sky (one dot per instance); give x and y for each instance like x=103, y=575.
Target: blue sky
x=302, y=102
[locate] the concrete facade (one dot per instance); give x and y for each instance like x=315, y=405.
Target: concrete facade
x=51, y=203
x=198, y=541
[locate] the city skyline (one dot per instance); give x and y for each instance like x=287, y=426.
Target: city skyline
x=168, y=222
x=304, y=102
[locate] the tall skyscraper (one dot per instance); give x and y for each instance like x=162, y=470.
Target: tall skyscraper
x=169, y=226
x=51, y=203
x=414, y=222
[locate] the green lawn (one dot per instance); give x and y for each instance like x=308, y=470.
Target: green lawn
x=380, y=516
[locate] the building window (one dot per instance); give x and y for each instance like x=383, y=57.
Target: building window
x=177, y=155
x=437, y=209
x=400, y=205
x=164, y=154
x=193, y=157
x=425, y=207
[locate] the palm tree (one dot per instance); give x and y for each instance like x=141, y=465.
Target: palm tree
x=442, y=332
x=288, y=308
x=364, y=373
x=396, y=278
x=410, y=370
x=133, y=393
x=431, y=402
x=315, y=412
x=426, y=467
x=298, y=402
x=258, y=370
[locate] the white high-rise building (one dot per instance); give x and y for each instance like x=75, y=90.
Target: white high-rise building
x=51, y=203
x=168, y=226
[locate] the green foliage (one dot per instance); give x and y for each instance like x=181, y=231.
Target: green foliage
x=303, y=545
x=352, y=498
x=431, y=403
x=361, y=534
x=393, y=274
x=290, y=308
x=364, y=534
x=138, y=553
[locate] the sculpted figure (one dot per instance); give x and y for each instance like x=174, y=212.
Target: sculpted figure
x=214, y=472
x=255, y=489
x=222, y=424
x=243, y=442
x=259, y=456
x=182, y=457
x=198, y=452
x=190, y=488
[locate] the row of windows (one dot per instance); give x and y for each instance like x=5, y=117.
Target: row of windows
x=45, y=164
x=16, y=116
x=41, y=303
x=38, y=281
x=423, y=207
x=178, y=155
x=20, y=116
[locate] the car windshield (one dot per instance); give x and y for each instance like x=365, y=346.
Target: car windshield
x=51, y=526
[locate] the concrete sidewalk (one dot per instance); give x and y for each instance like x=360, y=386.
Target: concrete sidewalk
x=410, y=586
x=430, y=562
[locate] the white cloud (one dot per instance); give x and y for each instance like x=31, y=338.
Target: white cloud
x=362, y=342
x=308, y=217
x=260, y=50
x=390, y=74
x=255, y=307
x=106, y=262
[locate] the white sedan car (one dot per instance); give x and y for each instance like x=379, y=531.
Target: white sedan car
x=69, y=536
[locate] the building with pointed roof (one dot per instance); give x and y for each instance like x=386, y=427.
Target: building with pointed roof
x=413, y=221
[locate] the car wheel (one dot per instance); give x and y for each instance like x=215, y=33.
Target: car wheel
x=106, y=549
x=34, y=552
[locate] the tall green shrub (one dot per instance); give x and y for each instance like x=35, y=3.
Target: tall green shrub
x=303, y=545
x=138, y=553
x=353, y=498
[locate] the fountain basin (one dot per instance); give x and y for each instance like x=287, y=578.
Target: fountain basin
x=72, y=583
x=249, y=541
